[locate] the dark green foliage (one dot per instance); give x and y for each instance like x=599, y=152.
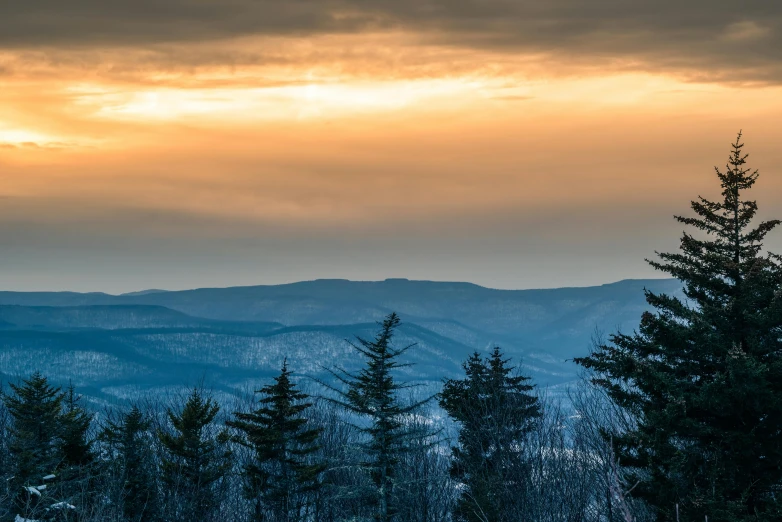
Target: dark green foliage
x=494, y=410
x=373, y=394
x=132, y=460
x=282, y=478
x=76, y=423
x=35, y=446
x=47, y=438
x=703, y=375
x=196, y=460
x=78, y=471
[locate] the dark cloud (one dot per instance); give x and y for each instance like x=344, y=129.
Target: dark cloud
x=44, y=22
x=707, y=39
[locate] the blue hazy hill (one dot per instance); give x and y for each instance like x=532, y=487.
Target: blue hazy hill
x=231, y=337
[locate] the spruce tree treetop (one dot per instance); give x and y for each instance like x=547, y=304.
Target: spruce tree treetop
x=77, y=449
x=36, y=408
x=282, y=472
x=276, y=428
x=372, y=394
x=703, y=375
x=196, y=459
x=193, y=453
x=132, y=425
x=494, y=409
x=130, y=439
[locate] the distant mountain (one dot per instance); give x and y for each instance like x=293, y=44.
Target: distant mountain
x=145, y=292
x=231, y=337
x=105, y=317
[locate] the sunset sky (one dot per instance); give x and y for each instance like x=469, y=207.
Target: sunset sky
x=510, y=143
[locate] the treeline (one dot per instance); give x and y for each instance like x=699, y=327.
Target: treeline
x=366, y=449
x=680, y=421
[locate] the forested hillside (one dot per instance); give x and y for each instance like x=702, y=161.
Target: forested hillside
x=114, y=346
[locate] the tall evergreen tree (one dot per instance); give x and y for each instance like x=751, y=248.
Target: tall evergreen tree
x=494, y=409
x=196, y=460
x=35, y=407
x=76, y=423
x=703, y=374
x=77, y=472
x=132, y=459
x=49, y=450
x=36, y=443
x=281, y=477
x=373, y=394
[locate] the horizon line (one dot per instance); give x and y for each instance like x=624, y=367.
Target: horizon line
x=135, y=293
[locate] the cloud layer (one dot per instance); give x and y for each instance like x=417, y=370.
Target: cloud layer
x=715, y=39
x=176, y=143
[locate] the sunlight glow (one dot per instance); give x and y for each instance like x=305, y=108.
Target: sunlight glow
x=334, y=98
x=313, y=100
x=23, y=137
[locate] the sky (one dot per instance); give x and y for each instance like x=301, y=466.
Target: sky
x=514, y=144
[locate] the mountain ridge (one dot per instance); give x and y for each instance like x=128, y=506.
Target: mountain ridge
x=235, y=336
x=151, y=291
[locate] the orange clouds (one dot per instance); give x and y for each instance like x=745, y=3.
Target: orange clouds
x=338, y=137
x=434, y=135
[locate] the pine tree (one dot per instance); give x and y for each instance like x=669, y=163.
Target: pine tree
x=76, y=422
x=35, y=407
x=197, y=460
x=77, y=473
x=372, y=394
x=703, y=375
x=35, y=446
x=282, y=477
x=129, y=440
x=494, y=410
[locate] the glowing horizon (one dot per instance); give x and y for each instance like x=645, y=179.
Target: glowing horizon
x=369, y=150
